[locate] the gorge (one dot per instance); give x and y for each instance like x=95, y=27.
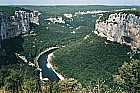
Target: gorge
x=58, y=47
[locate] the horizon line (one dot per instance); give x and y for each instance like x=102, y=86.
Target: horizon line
x=67, y=5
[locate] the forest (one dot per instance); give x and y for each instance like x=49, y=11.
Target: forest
x=90, y=64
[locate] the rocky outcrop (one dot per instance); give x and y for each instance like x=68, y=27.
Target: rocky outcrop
x=11, y=26
x=120, y=27
x=55, y=20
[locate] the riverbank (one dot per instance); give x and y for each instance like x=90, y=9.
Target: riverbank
x=50, y=65
x=44, y=62
x=46, y=66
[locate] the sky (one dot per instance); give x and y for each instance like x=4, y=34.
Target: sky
x=70, y=2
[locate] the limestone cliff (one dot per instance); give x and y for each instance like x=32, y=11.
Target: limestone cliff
x=11, y=30
x=11, y=26
x=120, y=27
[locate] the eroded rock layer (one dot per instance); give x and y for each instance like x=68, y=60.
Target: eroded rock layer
x=11, y=26
x=120, y=27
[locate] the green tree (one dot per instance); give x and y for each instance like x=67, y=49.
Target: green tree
x=128, y=76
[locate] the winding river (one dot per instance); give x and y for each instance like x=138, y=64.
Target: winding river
x=43, y=61
x=44, y=64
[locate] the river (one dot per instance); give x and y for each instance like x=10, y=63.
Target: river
x=44, y=63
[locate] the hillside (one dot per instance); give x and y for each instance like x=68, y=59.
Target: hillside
x=9, y=9
x=82, y=55
x=79, y=56
x=91, y=59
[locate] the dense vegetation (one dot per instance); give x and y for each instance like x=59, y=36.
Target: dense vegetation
x=17, y=78
x=128, y=76
x=9, y=9
x=92, y=61
x=8, y=49
x=106, y=15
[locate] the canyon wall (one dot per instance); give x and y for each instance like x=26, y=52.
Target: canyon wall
x=120, y=27
x=11, y=26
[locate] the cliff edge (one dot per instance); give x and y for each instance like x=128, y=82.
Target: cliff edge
x=123, y=28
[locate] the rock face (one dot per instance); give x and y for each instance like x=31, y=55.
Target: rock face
x=120, y=27
x=55, y=20
x=11, y=26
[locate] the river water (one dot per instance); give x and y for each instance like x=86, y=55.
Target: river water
x=46, y=67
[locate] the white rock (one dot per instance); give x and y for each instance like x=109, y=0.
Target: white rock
x=68, y=15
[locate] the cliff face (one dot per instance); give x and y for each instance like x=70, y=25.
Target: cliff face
x=121, y=28
x=10, y=29
x=11, y=26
